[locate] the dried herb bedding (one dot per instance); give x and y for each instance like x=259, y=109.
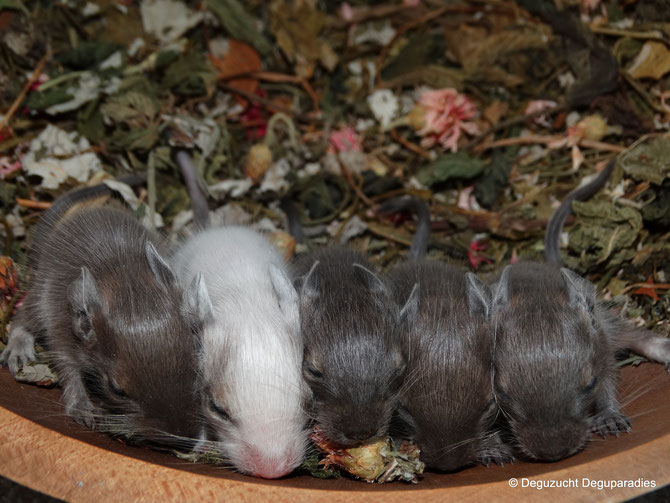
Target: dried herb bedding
x=338, y=117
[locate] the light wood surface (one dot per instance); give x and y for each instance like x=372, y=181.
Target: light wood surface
x=41, y=449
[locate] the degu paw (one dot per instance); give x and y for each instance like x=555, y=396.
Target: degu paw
x=19, y=351
x=611, y=423
x=83, y=412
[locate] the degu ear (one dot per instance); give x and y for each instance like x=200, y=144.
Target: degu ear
x=83, y=297
x=285, y=292
x=197, y=304
x=306, y=286
x=479, y=296
x=501, y=289
x=581, y=292
x=411, y=308
x=374, y=282
x=159, y=267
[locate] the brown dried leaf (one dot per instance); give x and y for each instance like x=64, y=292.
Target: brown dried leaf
x=240, y=58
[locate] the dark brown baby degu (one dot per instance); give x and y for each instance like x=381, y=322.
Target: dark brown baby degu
x=119, y=331
x=353, y=361
x=447, y=400
x=555, y=371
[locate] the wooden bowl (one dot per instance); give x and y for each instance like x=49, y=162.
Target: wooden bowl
x=44, y=450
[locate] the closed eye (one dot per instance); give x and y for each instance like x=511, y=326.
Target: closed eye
x=219, y=411
x=312, y=372
x=116, y=390
x=591, y=385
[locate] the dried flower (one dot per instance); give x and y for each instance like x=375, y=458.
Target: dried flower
x=9, y=278
x=474, y=256
x=258, y=162
x=591, y=127
x=376, y=461
x=538, y=105
x=255, y=117
x=445, y=114
x=345, y=140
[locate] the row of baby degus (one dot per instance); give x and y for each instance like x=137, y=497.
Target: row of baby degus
x=218, y=345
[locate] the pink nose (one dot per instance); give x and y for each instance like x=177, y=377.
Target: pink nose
x=266, y=467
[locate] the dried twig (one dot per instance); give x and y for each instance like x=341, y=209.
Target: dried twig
x=29, y=203
x=26, y=87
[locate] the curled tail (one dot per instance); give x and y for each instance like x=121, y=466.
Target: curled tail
x=420, y=209
x=552, y=249
x=293, y=219
x=195, y=192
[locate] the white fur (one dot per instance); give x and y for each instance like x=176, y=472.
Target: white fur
x=251, y=350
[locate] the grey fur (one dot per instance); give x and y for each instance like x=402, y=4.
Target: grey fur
x=447, y=399
x=107, y=308
x=353, y=358
x=555, y=373
x=556, y=347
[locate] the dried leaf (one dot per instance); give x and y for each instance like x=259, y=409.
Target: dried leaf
x=298, y=27
x=134, y=108
x=239, y=24
x=56, y=155
x=649, y=161
x=604, y=231
x=494, y=180
x=238, y=57
x=652, y=62
x=456, y=165
x=648, y=291
x=86, y=55
x=420, y=51
x=15, y=5
x=167, y=20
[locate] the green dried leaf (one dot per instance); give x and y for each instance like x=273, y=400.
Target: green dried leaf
x=457, y=165
x=90, y=124
x=136, y=138
x=311, y=465
x=131, y=107
x=14, y=5
x=657, y=212
x=86, y=55
x=494, y=180
x=239, y=23
x=191, y=74
x=604, y=232
x=41, y=101
x=7, y=193
x=649, y=161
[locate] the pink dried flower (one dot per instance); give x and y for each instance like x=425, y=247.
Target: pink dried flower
x=346, y=11
x=345, y=140
x=537, y=106
x=474, y=256
x=7, y=167
x=445, y=115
